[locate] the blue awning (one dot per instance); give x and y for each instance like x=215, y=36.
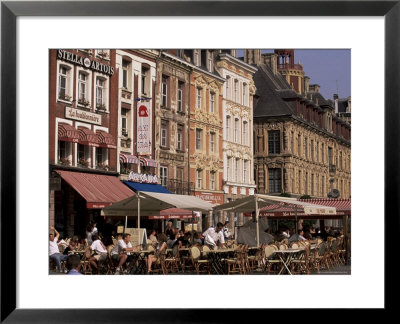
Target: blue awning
x=149, y=187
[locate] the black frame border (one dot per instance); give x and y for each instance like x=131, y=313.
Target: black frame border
x=11, y=10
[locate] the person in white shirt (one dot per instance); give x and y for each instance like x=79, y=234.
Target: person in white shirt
x=100, y=252
x=54, y=252
x=213, y=236
x=226, y=232
x=121, y=250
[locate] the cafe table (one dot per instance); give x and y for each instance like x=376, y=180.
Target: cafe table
x=217, y=260
x=137, y=261
x=286, y=256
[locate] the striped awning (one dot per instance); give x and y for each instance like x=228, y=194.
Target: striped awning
x=127, y=158
x=148, y=162
x=88, y=137
x=67, y=133
x=106, y=140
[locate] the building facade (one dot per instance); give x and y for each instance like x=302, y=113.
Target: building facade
x=82, y=131
x=301, y=146
x=237, y=109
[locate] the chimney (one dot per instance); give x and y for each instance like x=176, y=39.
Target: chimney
x=306, y=84
x=336, y=100
x=252, y=56
x=271, y=60
x=314, y=87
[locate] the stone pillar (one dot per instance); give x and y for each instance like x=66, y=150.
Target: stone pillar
x=240, y=219
x=69, y=214
x=51, y=209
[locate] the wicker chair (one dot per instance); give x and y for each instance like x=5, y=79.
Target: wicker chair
x=86, y=268
x=320, y=258
x=270, y=263
x=199, y=264
x=171, y=262
x=236, y=264
x=302, y=264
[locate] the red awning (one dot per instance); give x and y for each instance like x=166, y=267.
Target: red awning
x=106, y=139
x=343, y=208
x=99, y=191
x=148, y=162
x=67, y=133
x=88, y=137
x=174, y=213
x=127, y=158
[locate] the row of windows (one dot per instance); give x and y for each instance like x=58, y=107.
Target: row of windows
x=84, y=87
x=212, y=105
x=200, y=141
x=200, y=180
x=306, y=148
x=235, y=135
x=84, y=156
x=166, y=93
x=237, y=170
x=237, y=91
x=166, y=135
x=127, y=78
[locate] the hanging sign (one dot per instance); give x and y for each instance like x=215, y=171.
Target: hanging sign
x=143, y=127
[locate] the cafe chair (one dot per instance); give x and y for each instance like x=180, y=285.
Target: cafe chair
x=200, y=265
x=236, y=264
x=270, y=262
x=86, y=268
x=170, y=263
x=302, y=263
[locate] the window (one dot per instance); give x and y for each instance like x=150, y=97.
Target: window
x=103, y=53
x=292, y=142
x=245, y=171
x=164, y=91
x=306, y=184
x=299, y=145
x=82, y=88
x=323, y=152
x=212, y=180
x=236, y=91
x=124, y=122
x=180, y=96
x=164, y=176
x=323, y=186
x=198, y=178
x=125, y=73
x=228, y=128
x=274, y=180
x=274, y=142
x=312, y=184
x=64, y=80
x=212, y=102
x=196, y=57
x=236, y=170
x=244, y=99
x=83, y=155
x=341, y=161
x=317, y=151
x=179, y=138
x=164, y=133
x=209, y=61
x=305, y=148
x=299, y=182
x=198, y=139
x=312, y=150
x=245, y=137
x=198, y=98
x=101, y=157
x=179, y=174
x=144, y=81
x=228, y=89
x=212, y=142
x=236, y=131
x=100, y=94
x=330, y=155
x=64, y=152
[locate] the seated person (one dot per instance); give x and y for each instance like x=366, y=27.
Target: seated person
x=197, y=239
x=54, y=252
x=172, y=238
x=73, y=245
x=161, y=246
x=153, y=237
x=73, y=264
x=121, y=251
x=182, y=241
x=100, y=251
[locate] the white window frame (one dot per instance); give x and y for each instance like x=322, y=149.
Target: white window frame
x=228, y=87
x=212, y=180
x=212, y=102
x=236, y=130
x=68, y=83
x=245, y=137
x=199, y=180
x=104, y=88
x=245, y=173
x=104, y=54
x=212, y=142
x=164, y=91
x=179, y=97
x=124, y=117
x=228, y=168
x=198, y=97
x=164, y=133
x=164, y=176
x=228, y=121
x=199, y=141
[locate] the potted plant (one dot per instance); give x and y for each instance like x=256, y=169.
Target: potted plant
x=83, y=102
x=64, y=161
x=101, y=107
x=64, y=96
x=102, y=166
x=82, y=162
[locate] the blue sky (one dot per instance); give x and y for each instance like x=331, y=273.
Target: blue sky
x=330, y=68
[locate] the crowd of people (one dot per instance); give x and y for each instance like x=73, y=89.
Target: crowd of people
x=305, y=233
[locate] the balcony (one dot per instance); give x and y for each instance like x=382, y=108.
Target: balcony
x=180, y=187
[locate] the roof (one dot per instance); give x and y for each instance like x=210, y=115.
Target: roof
x=151, y=203
x=98, y=190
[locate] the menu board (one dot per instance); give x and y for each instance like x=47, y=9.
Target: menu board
x=138, y=236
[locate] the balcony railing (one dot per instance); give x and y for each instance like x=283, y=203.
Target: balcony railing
x=180, y=187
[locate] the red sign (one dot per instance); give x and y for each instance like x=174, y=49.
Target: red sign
x=97, y=205
x=214, y=198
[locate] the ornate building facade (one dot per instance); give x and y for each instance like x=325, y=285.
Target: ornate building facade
x=301, y=146
x=237, y=108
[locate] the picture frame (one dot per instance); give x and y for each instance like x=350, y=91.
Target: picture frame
x=11, y=10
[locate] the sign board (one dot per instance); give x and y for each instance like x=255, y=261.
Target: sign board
x=138, y=236
x=81, y=115
x=120, y=229
x=143, y=127
x=189, y=228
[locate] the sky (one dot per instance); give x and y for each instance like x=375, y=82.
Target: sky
x=330, y=68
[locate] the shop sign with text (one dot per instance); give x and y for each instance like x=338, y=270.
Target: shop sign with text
x=85, y=62
x=81, y=115
x=143, y=177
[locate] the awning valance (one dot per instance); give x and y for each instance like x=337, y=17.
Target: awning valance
x=175, y=213
x=106, y=140
x=148, y=187
x=67, y=133
x=98, y=190
x=127, y=158
x=148, y=162
x=88, y=137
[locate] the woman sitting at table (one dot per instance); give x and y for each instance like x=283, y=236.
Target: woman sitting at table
x=73, y=245
x=161, y=246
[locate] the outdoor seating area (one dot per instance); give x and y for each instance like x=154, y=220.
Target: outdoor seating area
x=276, y=258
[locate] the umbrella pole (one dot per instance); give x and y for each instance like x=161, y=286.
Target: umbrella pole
x=126, y=222
x=138, y=224
x=192, y=226
x=295, y=214
x=257, y=228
